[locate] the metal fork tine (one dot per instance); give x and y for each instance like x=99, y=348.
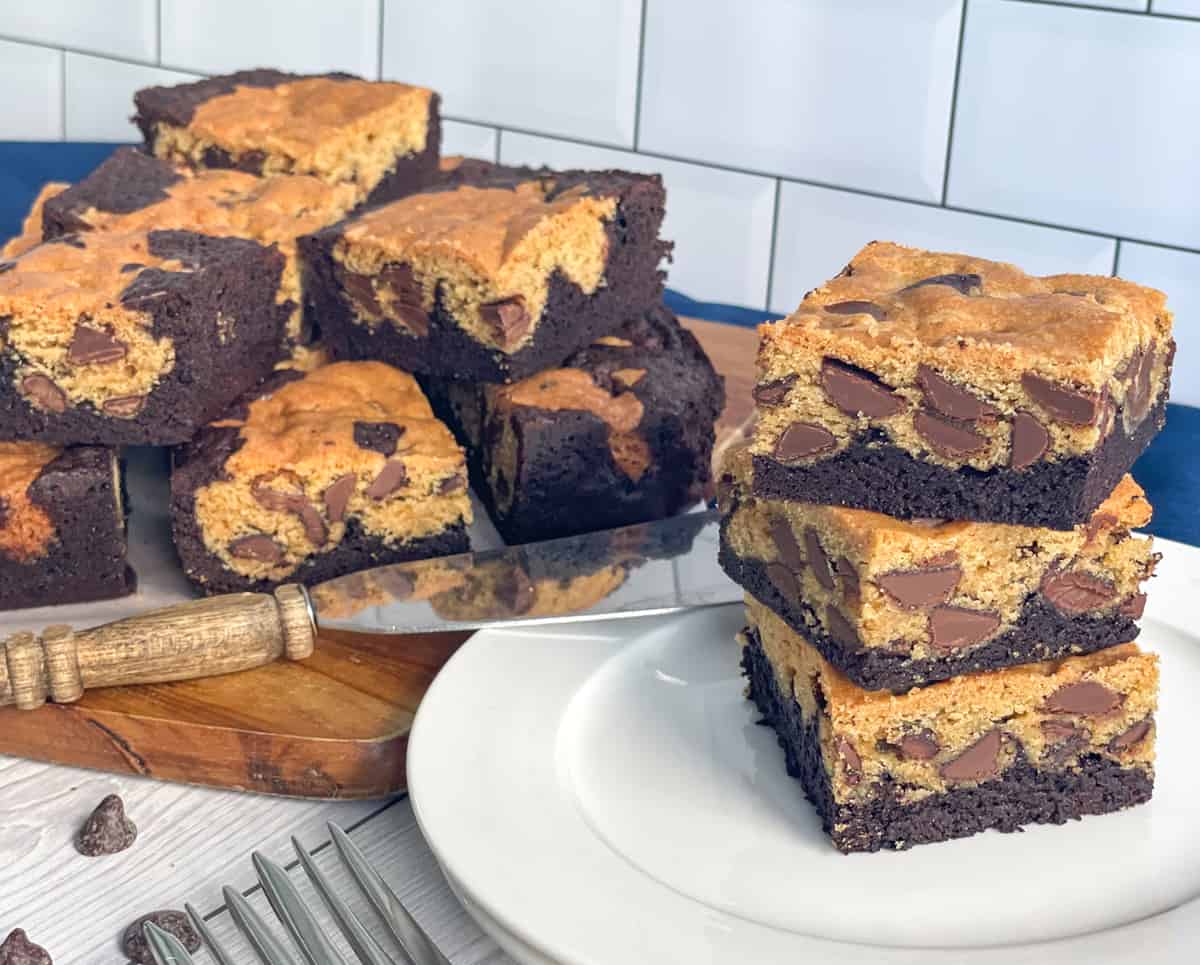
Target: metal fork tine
x=215, y=947
x=365, y=947
x=266, y=945
x=165, y=947
x=400, y=923
x=291, y=910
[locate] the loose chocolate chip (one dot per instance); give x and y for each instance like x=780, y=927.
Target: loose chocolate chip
x=43, y=394
x=337, y=495
x=1134, y=606
x=1075, y=407
x=380, y=437
x=785, y=544
x=851, y=586
x=452, y=484
x=515, y=592
x=850, y=760
x=1060, y=730
x=1086, y=697
x=7, y=266
x=950, y=399
x=918, y=747
x=90, y=346
x=1074, y=592
x=393, y=476
x=17, y=949
x=507, y=317
x=1029, y=443
x=784, y=580
x=841, y=629
x=123, y=406
x=877, y=312
x=954, y=628
x=1130, y=736
x=361, y=290
x=817, y=559
x=773, y=393
x=173, y=922
x=977, y=762
x=257, y=547
x=107, y=831
x=803, y=439
x=917, y=589
x=856, y=391
x=947, y=438
x=964, y=284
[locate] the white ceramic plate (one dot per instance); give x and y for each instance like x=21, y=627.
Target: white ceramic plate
x=601, y=794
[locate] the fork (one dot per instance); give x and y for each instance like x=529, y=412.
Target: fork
x=301, y=924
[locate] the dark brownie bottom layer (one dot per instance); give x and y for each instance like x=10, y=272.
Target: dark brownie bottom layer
x=873, y=474
x=1022, y=795
x=1041, y=632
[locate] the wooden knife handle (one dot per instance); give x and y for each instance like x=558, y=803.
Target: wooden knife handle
x=203, y=638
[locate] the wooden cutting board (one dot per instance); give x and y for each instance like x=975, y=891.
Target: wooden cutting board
x=333, y=726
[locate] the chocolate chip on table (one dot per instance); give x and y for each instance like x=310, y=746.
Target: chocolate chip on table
x=124, y=406
x=1075, y=592
x=1130, y=736
x=176, y=923
x=954, y=628
x=817, y=559
x=964, y=284
x=381, y=437
x=1029, y=442
x=507, y=317
x=17, y=949
x=856, y=391
x=1076, y=407
x=337, y=496
x=786, y=546
x=920, y=588
x=43, y=393
x=918, y=747
x=391, y=477
x=850, y=760
x=877, y=312
x=978, y=762
x=91, y=346
x=773, y=393
x=949, y=399
x=803, y=439
x=258, y=547
x=107, y=831
x=948, y=438
x=1134, y=606
x=784, y=580
x=1088, y=698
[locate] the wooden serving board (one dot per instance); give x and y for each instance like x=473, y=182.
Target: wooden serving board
x=334, y=726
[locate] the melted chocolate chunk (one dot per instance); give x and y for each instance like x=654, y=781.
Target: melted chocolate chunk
x=407, y=298
x=1030, y=440
x=90, y=346
x=918, y=747
x=817, y=559
x=955, y=628
x=508, y=317
x=392, y=477
x=1085, y=697
x=173, y=922
x=452, y=484
x=978, y=762
x=1075, y=407
x=803, y=439
x=773, y=393
x=397, y=584
x=851, y=585
x=1132, y=735
x=950, y=399
x=337, y=495
x=361, y=290
x=784, y=580
x=856, y=391
x=1060, y=730
x=841, y=629
x=1137, y=402
x=785, y=544
x=964, y=284
x=1133, y=607
x=107, y=830
x=921, y=588
x=515, y=592
x=1074, y=592
x=43, y=394
x=877, y=312
x=124, y=406
x=380, y=437
x=948, y=438
x=851, y=762
x=17, y=949
x=258, y=547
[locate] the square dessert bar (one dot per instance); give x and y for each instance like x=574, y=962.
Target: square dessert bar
x=382, y=138
x=315, y=475
x=493, y=275
x=132, y=191
x=62, y=526
x=894, y=604
x=1039, y=743
x=935, y=385
x=31, y=227
x=625, y=428
x=133, y=338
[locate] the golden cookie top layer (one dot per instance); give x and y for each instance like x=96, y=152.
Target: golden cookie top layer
x=31, y=227
x=26, y=531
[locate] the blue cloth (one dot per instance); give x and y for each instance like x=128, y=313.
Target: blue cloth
x=1169, y=470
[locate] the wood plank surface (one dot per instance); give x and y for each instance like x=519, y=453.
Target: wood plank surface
x=333, y=726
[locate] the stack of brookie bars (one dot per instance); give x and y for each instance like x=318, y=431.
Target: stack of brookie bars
x=932, y=522
x=274, y=287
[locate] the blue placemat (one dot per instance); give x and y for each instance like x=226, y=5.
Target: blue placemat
x=1169, y=470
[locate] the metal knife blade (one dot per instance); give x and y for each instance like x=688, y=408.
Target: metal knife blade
x=646, y=569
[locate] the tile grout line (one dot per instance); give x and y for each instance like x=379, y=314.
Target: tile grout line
x=158, y=32
x=499, y=134
x=62, y=93
x=1098, y=9
x=641, y=67
x=379, y=44
x=1116, y=258
x=958, y=58
x=774, y=242
x=100, y=55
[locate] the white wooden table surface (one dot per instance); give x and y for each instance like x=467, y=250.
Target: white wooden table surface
x=191, y=841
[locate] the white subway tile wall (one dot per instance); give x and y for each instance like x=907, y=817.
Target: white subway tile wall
x=1060, y=136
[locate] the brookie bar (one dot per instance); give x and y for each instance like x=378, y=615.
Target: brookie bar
x=31, y=226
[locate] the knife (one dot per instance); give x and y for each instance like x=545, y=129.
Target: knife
x=641, y=570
